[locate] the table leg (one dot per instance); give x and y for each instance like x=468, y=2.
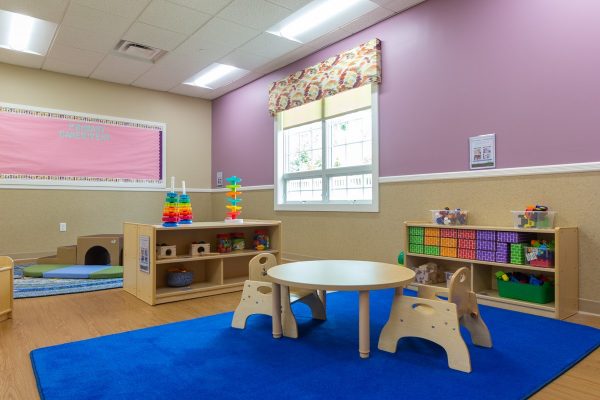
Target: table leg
x=363, y=324
x=276, y=311
x=323, y=296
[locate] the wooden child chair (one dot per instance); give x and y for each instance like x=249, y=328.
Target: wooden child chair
x=430, y=317
x=257, y=298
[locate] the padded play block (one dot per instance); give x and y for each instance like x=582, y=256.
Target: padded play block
x=74, y=271
x=111, y=272
x=37, y=271
x=87, y=246
x=64, y=255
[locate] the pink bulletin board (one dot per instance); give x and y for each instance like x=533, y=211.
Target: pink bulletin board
x=54, y=147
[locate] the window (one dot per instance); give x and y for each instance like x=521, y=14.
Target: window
x=327, y=154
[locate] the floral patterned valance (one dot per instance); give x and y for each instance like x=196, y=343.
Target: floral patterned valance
x=348, y=70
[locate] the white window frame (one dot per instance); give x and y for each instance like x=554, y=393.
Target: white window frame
x=343, y=206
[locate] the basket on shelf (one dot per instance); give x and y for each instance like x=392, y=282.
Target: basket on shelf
x=179, y=278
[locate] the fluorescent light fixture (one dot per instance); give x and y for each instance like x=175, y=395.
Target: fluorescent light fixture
x=320, y=17
x=23, y=33
x=216, y=75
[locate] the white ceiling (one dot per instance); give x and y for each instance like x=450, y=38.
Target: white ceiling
x=195, y=33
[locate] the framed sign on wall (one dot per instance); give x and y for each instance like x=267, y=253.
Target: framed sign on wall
x=46, y=147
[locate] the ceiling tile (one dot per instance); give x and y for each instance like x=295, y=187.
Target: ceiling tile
x=49, y=10
x=207, y=6
x=129, y=8
x=241, y=59
x=172, y=17
x=67, y=67
x=398, y=5
x=221, y=32
x=257, y=14
x=269, y=46
x=330, y=38
x=367, y=20
x=152, y=36
x=20, y=58
x=75, y=37
x=173, y=69
x=291, y=4
x=75, y=55
x=119, y=69
x=194, y=91
x=90, y=19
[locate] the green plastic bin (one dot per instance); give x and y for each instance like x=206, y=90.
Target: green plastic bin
x=415, y=248
x=416, y=239
x=524, y=291
x=416, y=230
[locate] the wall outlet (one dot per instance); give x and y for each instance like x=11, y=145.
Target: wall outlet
x=62, y=227
x=220, y=179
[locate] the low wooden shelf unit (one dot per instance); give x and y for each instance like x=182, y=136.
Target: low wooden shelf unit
x=483, y=278
x=214, y=273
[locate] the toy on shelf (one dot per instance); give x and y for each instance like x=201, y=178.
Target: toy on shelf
x=540, y=253
x=261, y=240
x=429, y=274
x=199, y=248
x=179, y=277
x=164, y=250
x=170, y=216
x=537, y=217
x=185, y=206
x=232, y=198
x=449, y=217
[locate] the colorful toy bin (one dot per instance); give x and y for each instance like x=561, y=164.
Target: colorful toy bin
x=533, y=219
x=449, y=217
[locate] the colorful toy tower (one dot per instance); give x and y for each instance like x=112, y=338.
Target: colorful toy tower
x=185, y=207
x=170, y=216
x=232, y=198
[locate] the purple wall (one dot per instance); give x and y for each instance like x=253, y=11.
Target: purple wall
x=525, y=70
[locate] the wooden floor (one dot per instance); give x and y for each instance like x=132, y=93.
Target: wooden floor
x=47, y=321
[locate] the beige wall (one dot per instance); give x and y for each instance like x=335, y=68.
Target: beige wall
x=379, y=236
x=29, y=218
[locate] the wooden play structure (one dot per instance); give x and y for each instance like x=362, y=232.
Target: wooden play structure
x=6, y=287
x=257, y=298
x=430, y=317
x=101, y=249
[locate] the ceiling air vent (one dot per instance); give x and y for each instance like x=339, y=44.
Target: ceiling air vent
x=139, y=51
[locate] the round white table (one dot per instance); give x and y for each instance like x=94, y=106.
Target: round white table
x=344, y=275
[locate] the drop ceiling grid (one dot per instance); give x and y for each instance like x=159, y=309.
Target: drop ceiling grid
x=195, y=32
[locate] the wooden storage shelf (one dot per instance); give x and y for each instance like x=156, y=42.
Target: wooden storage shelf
x=483, y=279
x=238, y=253
x=503, y=265
x=214, y=273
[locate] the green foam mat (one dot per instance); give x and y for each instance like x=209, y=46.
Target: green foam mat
x=110, y=272
x=37, y=271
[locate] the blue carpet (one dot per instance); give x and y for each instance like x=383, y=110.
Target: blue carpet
x=206, y=359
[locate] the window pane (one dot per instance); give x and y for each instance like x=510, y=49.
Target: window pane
x=304, y=189
x=350, y=140
x=303, y=148
x=352, y=187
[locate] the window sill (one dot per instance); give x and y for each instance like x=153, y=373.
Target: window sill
x=372, y=208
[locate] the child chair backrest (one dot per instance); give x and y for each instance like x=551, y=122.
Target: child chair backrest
x=259, y=265
x=459, y=289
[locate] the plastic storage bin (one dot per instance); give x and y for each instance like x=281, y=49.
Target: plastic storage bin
x=539, y=257
x=449, y=217
x=533, y=219
x=524, y=291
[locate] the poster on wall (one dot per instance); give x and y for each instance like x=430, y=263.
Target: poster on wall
x=144, y=254
x=53, y=147
x=482, y=151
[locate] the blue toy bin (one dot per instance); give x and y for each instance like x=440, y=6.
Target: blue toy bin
x=180, y=279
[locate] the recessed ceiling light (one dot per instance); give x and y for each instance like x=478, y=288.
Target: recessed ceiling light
x=319, y=17
x=216, y=75
x=20, y=32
